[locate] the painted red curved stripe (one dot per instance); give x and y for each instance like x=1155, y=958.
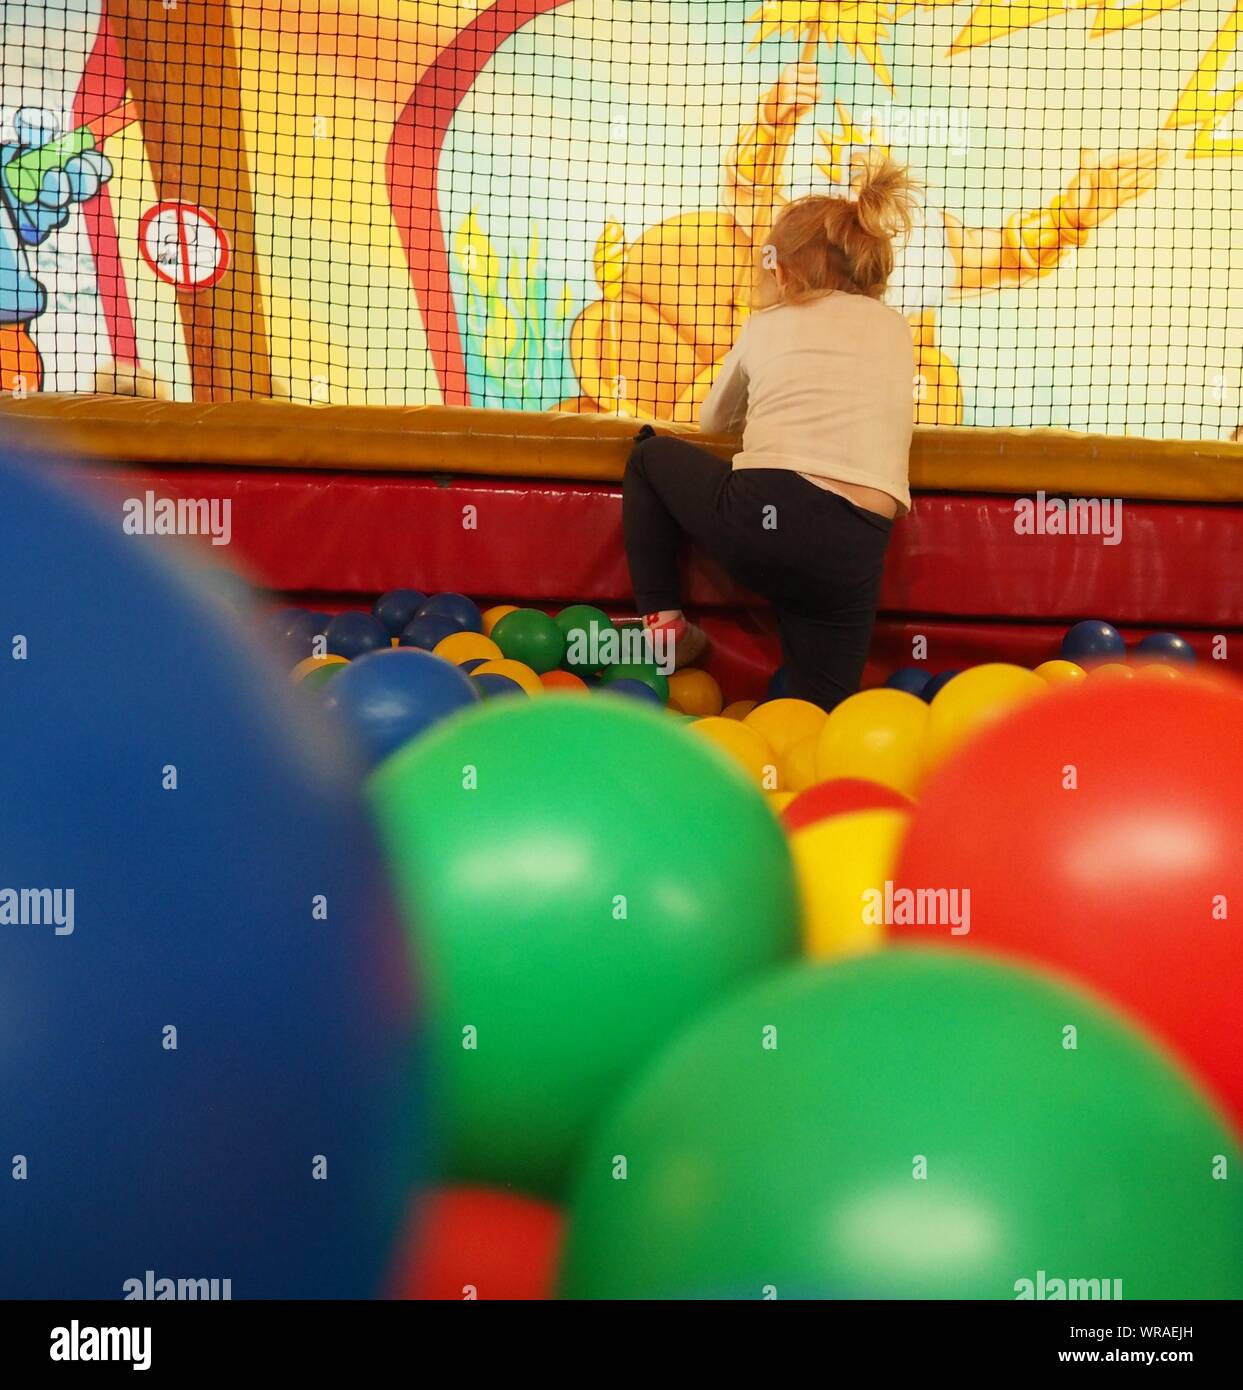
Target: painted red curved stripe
x=413, y=172
x=102, y=89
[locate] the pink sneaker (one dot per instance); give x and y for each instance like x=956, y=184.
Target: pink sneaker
x=689, y=640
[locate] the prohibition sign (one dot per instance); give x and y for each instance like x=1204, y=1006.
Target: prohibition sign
x=184, y=245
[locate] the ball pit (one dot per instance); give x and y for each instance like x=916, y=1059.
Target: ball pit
x=608, y=870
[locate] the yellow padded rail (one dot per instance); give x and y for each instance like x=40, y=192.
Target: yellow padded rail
x=508, y=443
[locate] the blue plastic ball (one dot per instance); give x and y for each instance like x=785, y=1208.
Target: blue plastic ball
x=461, y=611
x=1166, y=647
x=207, y=1052
x=280, y=621
x=387, y=698
x=632, y=690
x=909, y=678
x=355, y=634
x=299, y=637
x=396, y=608
x=492, y=684
x=936, y=684
x=427, y=632
x=1093, y=641
x=778, y=685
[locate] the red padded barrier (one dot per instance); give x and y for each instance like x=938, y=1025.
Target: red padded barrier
x=1179, y=565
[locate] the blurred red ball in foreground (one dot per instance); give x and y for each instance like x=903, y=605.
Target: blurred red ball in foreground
x=1099, y=831
x=841, y=797
x=475, y=1242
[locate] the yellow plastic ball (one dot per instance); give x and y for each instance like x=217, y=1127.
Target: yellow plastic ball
x=315, y=663
x=842, y=865
x=783, y=723
x=515, y=670
x=748, y=748
x=695, y=692
x=1158, y=671
x=494, y=615
x=980, y=696
x=1060, y=672
x=798, y=766
x=877, y=735
x=468, y=646
x=739, y=709
x=1111, y=671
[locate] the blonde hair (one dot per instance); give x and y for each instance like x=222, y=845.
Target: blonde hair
x=824, y=243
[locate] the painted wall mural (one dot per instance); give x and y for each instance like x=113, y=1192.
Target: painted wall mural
x=555, y=204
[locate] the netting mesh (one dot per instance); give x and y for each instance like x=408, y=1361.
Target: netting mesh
x=543, y=205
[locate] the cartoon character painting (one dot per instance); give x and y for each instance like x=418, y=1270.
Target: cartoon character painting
x=44, y=176
x=673, y=300
x=557, y=204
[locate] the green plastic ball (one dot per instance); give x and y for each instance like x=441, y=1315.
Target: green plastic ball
x=584, y=627
x=912, y=1124
x=532, y=637
x=647, y=672
x=314, y=680
x=582, y=879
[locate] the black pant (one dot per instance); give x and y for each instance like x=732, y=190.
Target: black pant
x=814, y=555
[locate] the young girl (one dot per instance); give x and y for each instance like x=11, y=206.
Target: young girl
x=821, y=380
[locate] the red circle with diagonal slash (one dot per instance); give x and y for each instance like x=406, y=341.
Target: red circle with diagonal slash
x=183, y=245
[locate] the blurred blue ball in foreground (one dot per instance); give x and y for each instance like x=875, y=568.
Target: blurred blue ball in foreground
x=205, y=1054
x=388, y=697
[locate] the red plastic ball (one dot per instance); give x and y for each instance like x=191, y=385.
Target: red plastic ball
x=1098, y=831
x=841, y=797
x=474, y=1242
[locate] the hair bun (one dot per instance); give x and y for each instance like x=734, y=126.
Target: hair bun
x=885, y=194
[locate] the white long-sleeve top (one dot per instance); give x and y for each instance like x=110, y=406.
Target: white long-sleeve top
x=825, y=388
